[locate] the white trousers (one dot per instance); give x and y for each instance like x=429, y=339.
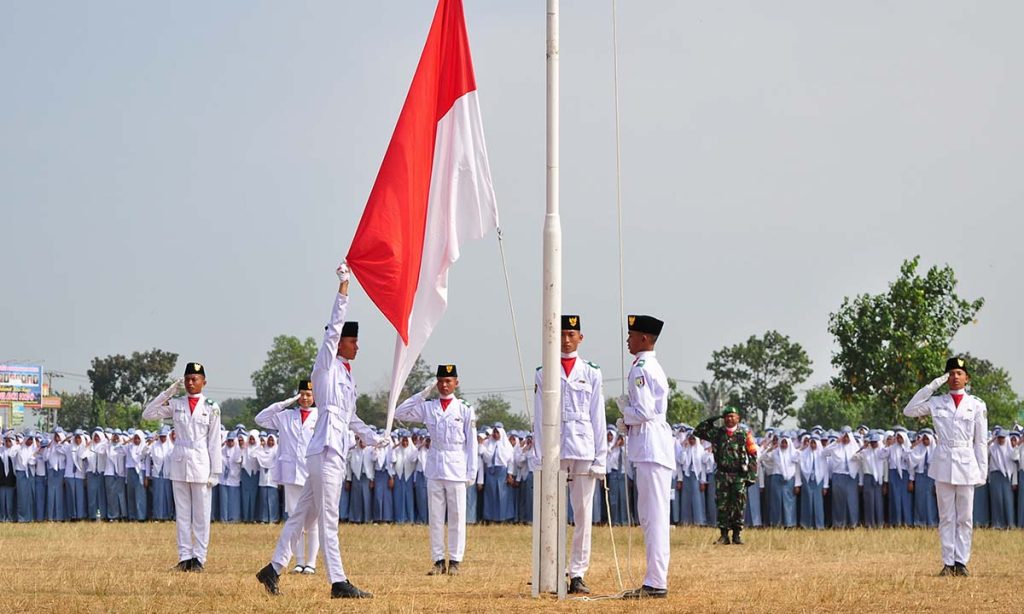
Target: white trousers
x=317, y=505
x=956, y=521
x=192, y=518
x=581, y=496
x=304, y=554
x=447, y=498
x=653, y=492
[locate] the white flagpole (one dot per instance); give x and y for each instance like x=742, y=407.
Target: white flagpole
x=547, y=572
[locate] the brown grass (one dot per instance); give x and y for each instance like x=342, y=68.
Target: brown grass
x=127, y=568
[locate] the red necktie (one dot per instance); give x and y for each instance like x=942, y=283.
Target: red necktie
x=192, y=404
x=445, y=403
x=348, y=367
x=567, y=365
x=305, y=414
x=956, y=399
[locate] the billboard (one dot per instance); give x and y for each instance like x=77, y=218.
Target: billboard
x=21, y=384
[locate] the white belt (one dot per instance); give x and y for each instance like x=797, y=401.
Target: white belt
x=957, y=444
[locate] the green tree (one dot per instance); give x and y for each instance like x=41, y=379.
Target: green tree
x=682, y=408
x=373, y=408
x=992, y=385
x=893, y=343
x=492, y=408
x=122, y=384
x=825, y=406
x=76, y=410
x=765, y=372
x=239, y=411
x=715, y=396
x=288, y=360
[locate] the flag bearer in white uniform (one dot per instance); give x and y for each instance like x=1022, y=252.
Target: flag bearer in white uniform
x=295, y=430
x=451, y=463
x=651, y=450
x=584, y=446
x=961, y=461
x=335, y=394
x=195, y=461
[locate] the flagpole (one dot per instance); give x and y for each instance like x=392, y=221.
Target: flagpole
x=547, y=570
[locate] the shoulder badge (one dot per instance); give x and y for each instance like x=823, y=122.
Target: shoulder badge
x=640, y=362
x=639, y=381
x=540, y=367
x=210, y=402
x=593, y=364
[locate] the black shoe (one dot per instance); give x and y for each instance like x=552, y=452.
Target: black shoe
x=268, y=578
x=736, y=538
x=453, y=568
x=578, y=587
x=724, y=539
x=438, y=569
x=197, y=566
x=185, y=565
x=959, y=569
x=947, y=570
x=346, y=590
x=645, y=592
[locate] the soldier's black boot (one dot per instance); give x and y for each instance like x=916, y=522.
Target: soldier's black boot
x=347, y=590
x=959, y=569
x=438, y=569
x=578, y=587
x=724, y=539
x=736, y=537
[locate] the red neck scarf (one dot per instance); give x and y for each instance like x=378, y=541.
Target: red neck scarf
x=957, y=397
x=567, y=365
x=348, y=367
x=192, y=401
x=304, y=413
x=445, y=403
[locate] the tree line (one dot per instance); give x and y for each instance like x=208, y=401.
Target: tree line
x=888, y=345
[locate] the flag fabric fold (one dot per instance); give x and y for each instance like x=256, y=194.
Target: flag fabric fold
x=433, y=193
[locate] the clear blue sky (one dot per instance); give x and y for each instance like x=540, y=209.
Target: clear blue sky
x=186, y=176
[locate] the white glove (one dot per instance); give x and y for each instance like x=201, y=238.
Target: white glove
x=430, y=387
x=175, y=387
x=939, y=381
x=342, y=272
x=596, y=472
x=213, y=481
x=291, y=401
x=383, y=442
x=621, y=401
x=620, y=426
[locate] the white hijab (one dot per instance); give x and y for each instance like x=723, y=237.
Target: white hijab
x=784, y=461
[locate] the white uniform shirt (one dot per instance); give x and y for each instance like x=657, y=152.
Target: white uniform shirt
x=582, y=414
x=650, y=437
x=335, y=392
x=195, y=456
x=453, y=447
x=360, y=463
x=961, y=457
x=405, y=460
x=293, y=437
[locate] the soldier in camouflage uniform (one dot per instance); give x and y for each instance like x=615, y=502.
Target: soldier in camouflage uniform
x=736, y=457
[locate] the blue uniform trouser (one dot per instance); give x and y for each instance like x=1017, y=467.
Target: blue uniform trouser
x=23, y=487
x=711, y=501
x=420, y=489
x=926, y=507
x=781, y=501
x=215, y=498
x=162, y=495
x=39, y=494
x=845, y=505
x=812, y=505
x=55, y=495
x=74, y=501
x=874, y=511
x=752, y=511
x=270, y=504
x=1001, y=498
x=230, y=503
x=900, y=501
x=525, y=495
x=383, y=502
x=96, y=496
x=136, y=495
x=405, y=508
x=472, y=499
x=361, y=502
x=982, y=517
x=616, y=496
x=250, y=495
x=691, y=506
x=344, y=505
x=116, y=499
x=7, y=511
x=496, y=494
x=1020, y=498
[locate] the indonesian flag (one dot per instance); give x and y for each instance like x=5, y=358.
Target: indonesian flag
x=433, y=193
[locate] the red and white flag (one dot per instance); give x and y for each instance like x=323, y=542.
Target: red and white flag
x=432, y=194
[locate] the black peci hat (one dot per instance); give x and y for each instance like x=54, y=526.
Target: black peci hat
x=648, y=325
x=570, y=322
x=194, y=368
x=447, y=371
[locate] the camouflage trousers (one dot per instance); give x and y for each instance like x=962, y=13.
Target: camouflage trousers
x=731, y=498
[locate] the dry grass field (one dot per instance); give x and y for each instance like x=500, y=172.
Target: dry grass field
x=127, y=568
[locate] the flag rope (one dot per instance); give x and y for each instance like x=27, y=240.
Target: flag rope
x=515, y=328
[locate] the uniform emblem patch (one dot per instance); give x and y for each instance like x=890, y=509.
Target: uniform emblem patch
x=640, y=382
x=572, y=321
x=449, y=368
x=632, y=320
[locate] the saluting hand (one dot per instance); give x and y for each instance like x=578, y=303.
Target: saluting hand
x=342, y=272
x=429, y=389
x=939, y=381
